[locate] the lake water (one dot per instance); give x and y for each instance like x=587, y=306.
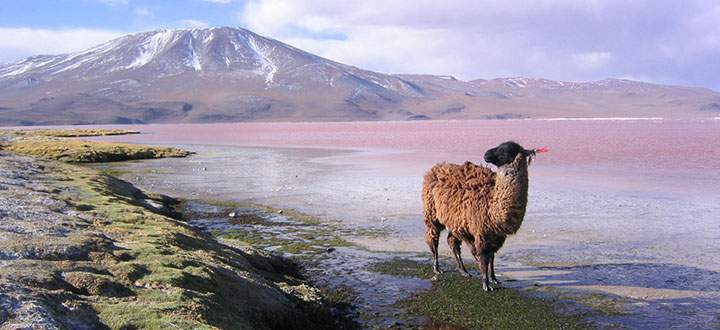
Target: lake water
x=628, y=208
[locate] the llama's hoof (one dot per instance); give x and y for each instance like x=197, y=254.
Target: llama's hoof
x=495, y=282
x=488, y=288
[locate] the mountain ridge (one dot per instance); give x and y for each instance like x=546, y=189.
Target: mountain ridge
x=233, y=74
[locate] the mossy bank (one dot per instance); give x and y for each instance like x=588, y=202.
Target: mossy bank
x=85, y=250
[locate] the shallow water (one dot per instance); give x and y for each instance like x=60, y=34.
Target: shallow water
x=627, y=208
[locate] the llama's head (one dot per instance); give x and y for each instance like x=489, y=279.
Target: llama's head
x=505, y=153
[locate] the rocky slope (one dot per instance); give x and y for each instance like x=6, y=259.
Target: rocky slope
x=231, y=74
x=83, y=250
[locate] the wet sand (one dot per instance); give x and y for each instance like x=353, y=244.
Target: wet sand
x=624, y=208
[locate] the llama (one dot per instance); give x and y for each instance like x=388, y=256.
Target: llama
x=477, y=206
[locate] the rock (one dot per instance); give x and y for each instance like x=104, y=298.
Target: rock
x=330, y=249
x=280, y=211
x=232, y=214
x=302, y=291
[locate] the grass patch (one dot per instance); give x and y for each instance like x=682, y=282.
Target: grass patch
x=460, y=301
x=84, y=132
x=78, y=151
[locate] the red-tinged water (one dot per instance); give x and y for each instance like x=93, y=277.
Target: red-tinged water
x=637, y=144
x=630, y=207
x=642, y=154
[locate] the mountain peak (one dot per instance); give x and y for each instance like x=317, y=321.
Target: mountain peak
x=164, y=52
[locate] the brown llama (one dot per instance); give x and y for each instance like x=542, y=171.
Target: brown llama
x=477, y=206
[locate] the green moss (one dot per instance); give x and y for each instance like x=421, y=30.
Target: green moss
x=404, y=268
x=460, y=301
x=67, y=132
x=289, y=213
x=78, y=151
x=171, y=274
x=123, y=315
x=317, y=236
x=300, y=248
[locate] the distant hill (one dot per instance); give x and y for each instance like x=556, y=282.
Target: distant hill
x=230, y=74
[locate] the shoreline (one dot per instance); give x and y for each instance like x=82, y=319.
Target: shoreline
x=108, y=287
x=148, y=246
x=116, y=257
x=602, y=305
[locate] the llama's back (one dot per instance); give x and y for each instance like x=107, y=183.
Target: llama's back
x=454, y=193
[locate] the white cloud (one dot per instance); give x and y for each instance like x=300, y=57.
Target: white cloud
x=222, y=2
x=194, y=24
x=665, y=41
x=18, y=43
x=142, y=11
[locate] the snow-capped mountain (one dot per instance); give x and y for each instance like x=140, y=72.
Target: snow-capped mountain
x=196, y=75
x=232, y=74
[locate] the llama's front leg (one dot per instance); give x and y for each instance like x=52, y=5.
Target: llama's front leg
x=493, y=279
x=454, y=244
x=432, y=238
x=484, y=265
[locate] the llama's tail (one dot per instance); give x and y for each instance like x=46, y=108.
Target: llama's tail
x=427, y=198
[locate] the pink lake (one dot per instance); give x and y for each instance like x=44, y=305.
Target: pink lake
x=670, y=155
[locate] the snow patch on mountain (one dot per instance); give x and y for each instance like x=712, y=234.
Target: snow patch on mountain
x=152, y=47
x=265, y=60
x=24, y=66
x=516, y=82
x=194, y=60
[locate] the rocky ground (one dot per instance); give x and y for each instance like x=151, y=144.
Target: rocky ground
x=80, y=249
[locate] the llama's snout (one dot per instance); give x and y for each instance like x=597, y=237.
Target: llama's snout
x=490, y=157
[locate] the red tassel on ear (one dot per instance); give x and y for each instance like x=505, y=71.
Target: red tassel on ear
x=541, y=150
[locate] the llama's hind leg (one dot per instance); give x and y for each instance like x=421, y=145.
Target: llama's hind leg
x=432, y=238
x=493, y=279
x=454, y=244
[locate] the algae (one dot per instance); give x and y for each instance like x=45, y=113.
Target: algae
x=459, y=301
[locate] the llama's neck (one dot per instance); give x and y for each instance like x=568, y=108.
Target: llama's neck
x=509, y=197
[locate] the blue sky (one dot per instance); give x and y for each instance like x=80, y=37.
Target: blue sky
x=120, y=15
x=661, y=41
